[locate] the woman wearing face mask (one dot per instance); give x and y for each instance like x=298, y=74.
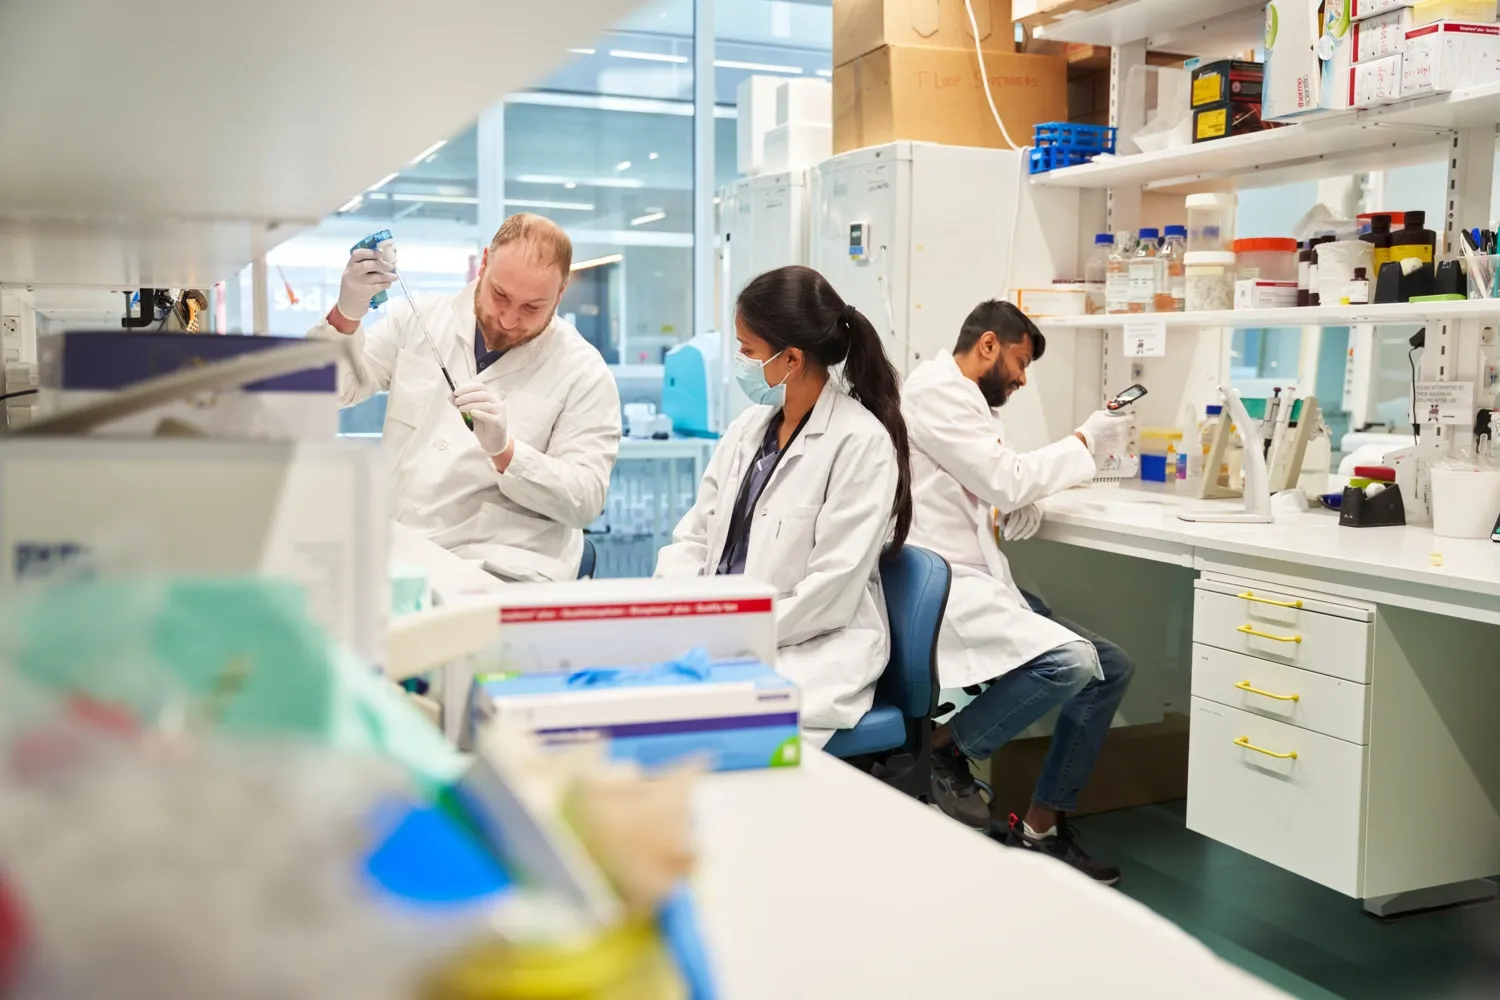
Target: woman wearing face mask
x=806, y=489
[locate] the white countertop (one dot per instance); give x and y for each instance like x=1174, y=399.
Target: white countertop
x=819, y=881
x=1136, y=519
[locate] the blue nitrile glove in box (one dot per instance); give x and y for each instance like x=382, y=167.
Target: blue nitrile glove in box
x=736, y=714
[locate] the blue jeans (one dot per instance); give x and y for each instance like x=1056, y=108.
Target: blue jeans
x=1062, y=676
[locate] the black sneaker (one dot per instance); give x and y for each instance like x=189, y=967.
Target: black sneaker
x=954, y=789
x=1063, y=846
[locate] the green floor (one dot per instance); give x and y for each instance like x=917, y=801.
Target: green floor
x=1305, y=939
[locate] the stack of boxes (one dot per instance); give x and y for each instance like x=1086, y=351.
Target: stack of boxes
x=783, y=124
x=908, y=69
x=1226, y=99
x=1409, y=48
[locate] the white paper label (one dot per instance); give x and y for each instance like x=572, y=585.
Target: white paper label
x=1146, y=339
x=1445, y=402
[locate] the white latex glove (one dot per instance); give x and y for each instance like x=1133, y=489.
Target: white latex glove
x=368, y=273
x=1022, y=524
x=491, y=421
x=1106, y=433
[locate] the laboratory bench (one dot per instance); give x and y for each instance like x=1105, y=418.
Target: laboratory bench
x=1341, y=683
x=820, y=881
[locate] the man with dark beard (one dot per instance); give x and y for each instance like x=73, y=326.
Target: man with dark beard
x=515, y=492
x=993, y=633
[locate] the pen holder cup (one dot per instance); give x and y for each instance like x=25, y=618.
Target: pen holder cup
x=1384, y=509
x=1484, y=276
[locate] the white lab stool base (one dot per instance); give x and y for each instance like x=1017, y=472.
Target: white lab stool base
x=1472, y=891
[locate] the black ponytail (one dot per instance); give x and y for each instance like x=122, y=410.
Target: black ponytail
x=797, y=307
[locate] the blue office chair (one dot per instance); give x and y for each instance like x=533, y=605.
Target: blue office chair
x=892, y=739
x=586, y=565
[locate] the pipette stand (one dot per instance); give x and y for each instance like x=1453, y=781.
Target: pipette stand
x=1257, y=493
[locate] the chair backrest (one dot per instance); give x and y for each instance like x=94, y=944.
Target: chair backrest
x=916, y=583
x=586, y=565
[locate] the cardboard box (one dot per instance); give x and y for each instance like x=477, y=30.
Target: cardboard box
x=81, y=367
x=796, y=146
x=1227, y=80
x=1256, y=293
x=736, y=714
x=1447, y=55
x=1376, y=82
x=1063, y=299
x=862, y=26
x=1140, y=765
x=1227, y=118
x=936, y=95
x=1381, y=35
x=804, y=102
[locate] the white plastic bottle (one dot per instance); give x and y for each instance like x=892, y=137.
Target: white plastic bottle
x=1096, y=274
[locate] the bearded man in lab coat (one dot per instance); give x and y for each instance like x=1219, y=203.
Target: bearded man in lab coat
x=516, y=492
x=993, y=632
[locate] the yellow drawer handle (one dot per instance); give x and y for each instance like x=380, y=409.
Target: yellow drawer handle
x=1251, y=630
x=1250, y=596
x=1244, y=742
x=1245, y=686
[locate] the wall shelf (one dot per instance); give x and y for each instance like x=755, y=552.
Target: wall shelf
x=169, y=142
x=1379, y=314
x=1203, y=27
x=1413, y=131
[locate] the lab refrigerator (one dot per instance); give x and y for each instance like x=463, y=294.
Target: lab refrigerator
x=916, y=234
x=763, y=226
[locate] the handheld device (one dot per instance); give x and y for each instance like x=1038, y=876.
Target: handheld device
x=1125, y=398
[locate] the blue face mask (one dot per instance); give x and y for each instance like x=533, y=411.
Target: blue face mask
x=751, y=375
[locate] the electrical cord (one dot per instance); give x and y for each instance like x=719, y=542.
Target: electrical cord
x=984, y=76
x=1418, y=341
x=21, y=392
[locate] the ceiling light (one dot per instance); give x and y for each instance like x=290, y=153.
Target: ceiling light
x=613, y=258
x=446, y=199
x=352, y=203
x=426, y=153
x=823, y=72
x=381, y=183
x=623, y=165
x=652, y=156
x=604, y=182
x=582, y=52
x=648, y=217
x=571, y=206
x=570, y=185
x=646, y=56
x=756, y=67
x=376, y=195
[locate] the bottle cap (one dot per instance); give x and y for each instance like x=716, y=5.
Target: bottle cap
x=1266, y=244
x=1150, y=234
x=1104, y=239
x=1176, y=231
x=1360, y=275
x=1415, y=220
x=1214, y=409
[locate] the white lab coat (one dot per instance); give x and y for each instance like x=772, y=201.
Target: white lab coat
x=961, y=469
x=816, y=534
x=564, y=410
